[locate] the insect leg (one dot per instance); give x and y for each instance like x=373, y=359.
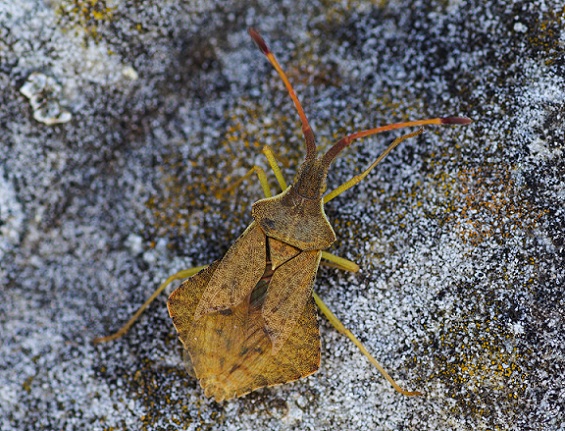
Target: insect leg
x=339, y=262
x=124, y=329
x=275, y=167
x=261, y=175
x=341, y=328
x=358, y=178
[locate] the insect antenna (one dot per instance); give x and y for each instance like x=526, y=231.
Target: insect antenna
x=344, y=142
x=309, y=137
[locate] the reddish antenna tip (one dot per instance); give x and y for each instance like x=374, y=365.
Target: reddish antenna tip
x=456, y=120
x=259, y=40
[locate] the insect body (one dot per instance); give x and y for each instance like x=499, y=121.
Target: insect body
x=249, y=319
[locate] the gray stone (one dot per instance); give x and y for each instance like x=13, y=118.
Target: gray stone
x=459, y=232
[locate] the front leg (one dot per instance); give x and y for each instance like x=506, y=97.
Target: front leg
x=334, y=261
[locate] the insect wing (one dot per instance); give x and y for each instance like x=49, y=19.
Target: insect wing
x=280, y=252
x=230, y=352
x=237, y=273
x=289, y=291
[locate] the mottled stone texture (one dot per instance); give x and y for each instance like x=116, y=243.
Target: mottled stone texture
x=459, y=233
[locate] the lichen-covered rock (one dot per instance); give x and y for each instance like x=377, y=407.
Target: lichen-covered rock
x=459, y=233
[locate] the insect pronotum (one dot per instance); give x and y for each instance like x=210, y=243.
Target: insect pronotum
x=248, y=320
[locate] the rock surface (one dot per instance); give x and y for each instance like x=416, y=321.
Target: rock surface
x=109, y=173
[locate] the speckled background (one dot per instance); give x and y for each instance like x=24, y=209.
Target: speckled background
x=459, y=233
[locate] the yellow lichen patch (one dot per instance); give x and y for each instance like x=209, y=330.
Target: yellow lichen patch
x=86, y=15
x=545, y=34
x=483, y=202
x=338, y=12
x=479, y=363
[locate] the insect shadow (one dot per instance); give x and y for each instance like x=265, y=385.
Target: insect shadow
x=249, y=320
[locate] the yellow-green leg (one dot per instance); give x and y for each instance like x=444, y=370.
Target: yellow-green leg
x=339, y=262
x=261, y=175
x=358, y=178
x=260, y=172
x=336, y=323
x=274, y=167
x=124, y=329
